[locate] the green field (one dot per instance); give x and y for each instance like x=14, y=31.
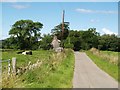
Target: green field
x=56, y=70
x=104, y=62
x=111, y=56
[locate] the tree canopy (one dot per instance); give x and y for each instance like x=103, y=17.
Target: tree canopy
x=58, y=31
x=45, y=42
x=26, y=33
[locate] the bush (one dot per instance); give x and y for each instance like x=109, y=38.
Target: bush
x=69, y=45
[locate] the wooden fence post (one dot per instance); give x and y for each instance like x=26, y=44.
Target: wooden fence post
x=8, y=67
x=14, y=65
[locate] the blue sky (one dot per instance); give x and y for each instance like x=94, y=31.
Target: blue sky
x=59, y=0
x=81, y=15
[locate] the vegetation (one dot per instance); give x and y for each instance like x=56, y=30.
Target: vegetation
x=57, y=68
x=58, y=31
x=110, y=56
x=56, y=71
x=109, y=42
x=25, y=34
x=104, y=63
x=45, y=42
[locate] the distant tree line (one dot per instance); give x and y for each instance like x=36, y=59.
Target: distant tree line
x=25, y=34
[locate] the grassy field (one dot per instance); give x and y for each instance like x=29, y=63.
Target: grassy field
x=56, y=71
x=104, y=63
x=110, y=56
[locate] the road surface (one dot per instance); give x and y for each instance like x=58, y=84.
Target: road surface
x=88, y=75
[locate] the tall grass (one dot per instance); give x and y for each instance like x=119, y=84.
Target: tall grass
x=56, y=71
x=111, y=56
x=110, y=68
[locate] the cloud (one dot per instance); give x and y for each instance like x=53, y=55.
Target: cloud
x=16, y=6
x=96, y=11
x=84, y=10
x=107, y=31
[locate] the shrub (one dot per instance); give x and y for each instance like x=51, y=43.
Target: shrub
x=67, y=45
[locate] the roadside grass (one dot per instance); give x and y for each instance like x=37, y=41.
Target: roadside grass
x=111, y=56
x=59, y=76
x=111, y=53
x=56, y=70
x=110, y=68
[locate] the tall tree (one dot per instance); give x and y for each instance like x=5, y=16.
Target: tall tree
x=45, y=42
x=90, y=38
x=58, y=31
x=75, y=39
x=26, y=32
x=109, y=42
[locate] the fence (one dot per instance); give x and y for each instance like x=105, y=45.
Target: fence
x=15, y=70
x=9, y=65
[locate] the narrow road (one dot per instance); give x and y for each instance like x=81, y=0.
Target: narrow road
x=88, y=75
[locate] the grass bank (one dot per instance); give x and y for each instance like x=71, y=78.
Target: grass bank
x=110, y=68
x=56, y=70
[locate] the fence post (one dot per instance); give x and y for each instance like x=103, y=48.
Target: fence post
x=8, y=67
x=14, y=65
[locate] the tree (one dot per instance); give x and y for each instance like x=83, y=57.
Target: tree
x=109, y=42
x=90, y=38
x=68, y=43
x=45, y=42
x=82, y=39
x=26, y=32
x=10, y=43
x=58, y=31
x=74, y=39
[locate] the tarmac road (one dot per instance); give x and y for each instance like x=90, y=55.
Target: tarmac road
x=88, y=75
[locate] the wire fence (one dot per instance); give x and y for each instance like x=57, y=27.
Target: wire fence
x=11, y=65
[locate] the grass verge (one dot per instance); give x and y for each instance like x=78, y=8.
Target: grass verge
x=105, y=65
x=56, y=70
x=59, y=76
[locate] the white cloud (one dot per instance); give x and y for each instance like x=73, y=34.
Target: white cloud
x=107, y=31
x=84, y=10
x=96, y=11
x=20, y=6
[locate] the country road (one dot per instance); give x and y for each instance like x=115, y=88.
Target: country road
x=88, y=75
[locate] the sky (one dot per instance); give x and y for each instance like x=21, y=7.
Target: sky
x=59, y=0
x=82, y=15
